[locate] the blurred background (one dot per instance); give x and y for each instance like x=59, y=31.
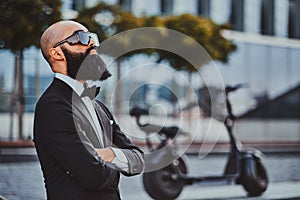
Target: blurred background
x=249, y=41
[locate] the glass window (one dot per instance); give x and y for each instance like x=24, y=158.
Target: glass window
x=278, y=78
x=293, y=66
x=181, y=7
x=252, y=16
x=281, y=18
x=140, y=8
x=257, y=62
x=220, y=11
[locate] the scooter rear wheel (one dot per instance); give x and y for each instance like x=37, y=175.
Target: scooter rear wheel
x=164, y=183
x=254, y=176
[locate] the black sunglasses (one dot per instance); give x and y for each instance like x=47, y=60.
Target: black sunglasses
x=80, y=37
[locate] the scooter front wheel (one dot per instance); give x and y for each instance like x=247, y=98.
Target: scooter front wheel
x=254, y=176
x=164, y=183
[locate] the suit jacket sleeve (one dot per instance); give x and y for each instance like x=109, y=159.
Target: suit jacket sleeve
x=134, y=155
x=56, y=133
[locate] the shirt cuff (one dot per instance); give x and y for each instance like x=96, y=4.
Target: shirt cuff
x=120, y=161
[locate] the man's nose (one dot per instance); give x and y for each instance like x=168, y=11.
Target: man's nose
x=91, y=43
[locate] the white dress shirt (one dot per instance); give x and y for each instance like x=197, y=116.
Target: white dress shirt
x=120, y=161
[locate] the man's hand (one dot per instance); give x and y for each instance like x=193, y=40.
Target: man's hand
x=107, y=154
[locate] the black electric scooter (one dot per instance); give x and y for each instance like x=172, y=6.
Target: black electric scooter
x=244, y=166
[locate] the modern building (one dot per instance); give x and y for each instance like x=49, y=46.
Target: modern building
x=267, y=17
x=266, y=32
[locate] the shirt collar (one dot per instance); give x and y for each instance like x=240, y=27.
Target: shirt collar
x=74, y=84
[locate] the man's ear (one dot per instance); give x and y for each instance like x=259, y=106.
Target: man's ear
x=56, y=54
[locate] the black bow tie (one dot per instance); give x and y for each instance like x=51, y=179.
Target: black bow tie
x=91, y=92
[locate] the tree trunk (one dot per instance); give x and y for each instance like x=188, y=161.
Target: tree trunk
x=119, y=92
x=20, y=99
x=13, y=97
x=37, y=78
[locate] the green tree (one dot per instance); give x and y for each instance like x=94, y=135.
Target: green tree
x=107, y=20
x=4, y=103
x=22, y=23
x=205, y=32
x=202, y=30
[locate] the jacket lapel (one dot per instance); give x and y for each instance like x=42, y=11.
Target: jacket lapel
x=105, y=124
x=83, y=120
x=79, y=106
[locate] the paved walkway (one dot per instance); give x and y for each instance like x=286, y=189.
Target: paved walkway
x=282, y=190
x=23, y=180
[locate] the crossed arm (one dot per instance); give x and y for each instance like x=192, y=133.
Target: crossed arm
x=132, y=155
x=72, y=152
x=107, y=154
x=132, y=161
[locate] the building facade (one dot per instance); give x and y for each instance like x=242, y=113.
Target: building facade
x=267, y=17
x=266, y=32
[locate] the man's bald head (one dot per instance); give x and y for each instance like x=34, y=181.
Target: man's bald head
x=57, y=32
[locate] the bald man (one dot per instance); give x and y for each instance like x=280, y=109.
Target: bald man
x=81, y=149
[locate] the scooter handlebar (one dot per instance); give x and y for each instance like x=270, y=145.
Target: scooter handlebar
x=229, y=89
x=170, y=132
x=138, y=111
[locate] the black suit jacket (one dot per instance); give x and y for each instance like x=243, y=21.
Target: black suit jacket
x=65, y=140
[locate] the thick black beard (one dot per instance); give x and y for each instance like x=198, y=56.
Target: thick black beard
x=106, y=74
x=92, y=66
x=74, y=60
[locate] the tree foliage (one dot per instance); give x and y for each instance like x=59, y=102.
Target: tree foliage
x=107, y=20
x=205, y=32
x=23, y=21
x=202, y=30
